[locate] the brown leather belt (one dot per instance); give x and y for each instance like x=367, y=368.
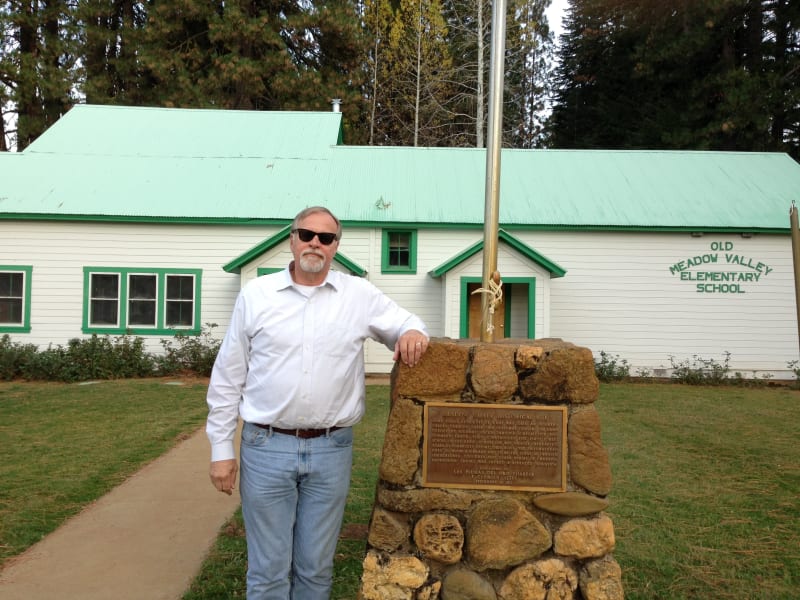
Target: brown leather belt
x=301, y=433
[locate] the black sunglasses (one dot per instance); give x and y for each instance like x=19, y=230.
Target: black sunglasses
x=306, y=235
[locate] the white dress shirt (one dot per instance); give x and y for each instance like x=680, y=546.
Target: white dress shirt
x=293, y=356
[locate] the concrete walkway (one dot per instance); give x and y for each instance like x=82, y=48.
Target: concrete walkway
x=144, y=540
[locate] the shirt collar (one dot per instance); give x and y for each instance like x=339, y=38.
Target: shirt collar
x=332, y=279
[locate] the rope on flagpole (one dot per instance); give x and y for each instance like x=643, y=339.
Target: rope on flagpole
x=495, y=292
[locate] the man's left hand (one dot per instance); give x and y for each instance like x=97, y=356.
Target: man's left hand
x=410, y=347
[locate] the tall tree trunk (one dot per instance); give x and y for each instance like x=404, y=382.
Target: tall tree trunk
x=782, y=31
x=418, y=83
x=3, y=141
x=374, y=102
x=29, y=106
x=480, y=93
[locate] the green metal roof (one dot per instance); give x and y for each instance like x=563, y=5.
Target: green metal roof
x=154, y=164
x=146, y=132
x=570, y=188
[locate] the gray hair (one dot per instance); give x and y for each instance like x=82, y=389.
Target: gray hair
x=317, y=209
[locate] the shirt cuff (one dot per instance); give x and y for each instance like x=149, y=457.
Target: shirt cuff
x=222, y=451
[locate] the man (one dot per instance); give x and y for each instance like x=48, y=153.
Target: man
x=291, y=365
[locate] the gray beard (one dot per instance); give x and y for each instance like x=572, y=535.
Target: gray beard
x=313, y=265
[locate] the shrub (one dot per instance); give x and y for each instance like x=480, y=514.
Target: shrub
x=611, y=368
x=794, y=367
x=700, y=371
x=106, y=358
x=195, y=354
x=14, y=358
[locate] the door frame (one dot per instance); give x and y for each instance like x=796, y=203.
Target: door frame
x=464, y=303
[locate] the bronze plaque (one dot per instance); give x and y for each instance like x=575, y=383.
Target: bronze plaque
x=494, y=446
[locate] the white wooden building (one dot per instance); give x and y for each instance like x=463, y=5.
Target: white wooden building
x=148, y=221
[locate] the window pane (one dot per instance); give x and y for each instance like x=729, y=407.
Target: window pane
x=105, y=285
x=180, y=301
x=180, y=287
x=11, y=285
x=399, y=249
x=142, y=291
x=142, y=312
x=103, y=312
x=179, y=314
x=10, y=311
x=142, y=287
x=104, y=301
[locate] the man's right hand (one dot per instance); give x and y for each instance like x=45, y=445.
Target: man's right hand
x=223, y=475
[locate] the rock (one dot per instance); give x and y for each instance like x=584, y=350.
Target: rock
x=601, y=580
x=401, y=454
x=395, y=578
x=564, y=375
x=502, y=533
x=571, y=504
x=527, y=357
x=549, y=579
x=493, y=374
x=585, y=538
x=387, y=531
x=463, y=584
x=442, y=371
x=420, y=500
x=429, y=592
x=439, y=537
x=588, y=459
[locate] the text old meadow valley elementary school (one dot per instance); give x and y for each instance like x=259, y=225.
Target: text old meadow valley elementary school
x=740, y=269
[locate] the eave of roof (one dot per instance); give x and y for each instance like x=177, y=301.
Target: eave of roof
x=250, y=167
x=503, y=236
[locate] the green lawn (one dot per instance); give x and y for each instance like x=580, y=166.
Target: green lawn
x=705, y=497
x=65, y=445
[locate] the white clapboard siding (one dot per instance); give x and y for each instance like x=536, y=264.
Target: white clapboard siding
x=618, y=296
x=58, y=252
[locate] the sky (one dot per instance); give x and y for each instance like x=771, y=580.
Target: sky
x=555, y=13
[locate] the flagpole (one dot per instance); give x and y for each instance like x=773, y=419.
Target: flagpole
x=793, y=224
x=494, y=141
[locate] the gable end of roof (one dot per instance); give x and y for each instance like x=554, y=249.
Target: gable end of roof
x=553, y=268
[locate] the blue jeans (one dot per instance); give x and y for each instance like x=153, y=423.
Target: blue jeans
x=293, y=498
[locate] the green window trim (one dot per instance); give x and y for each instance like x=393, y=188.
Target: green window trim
x=464, y=303
x=24, y=325
x=400, y=258
x=162, y=301
x=267, y=270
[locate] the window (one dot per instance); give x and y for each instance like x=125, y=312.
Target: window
x=104, y=300
x=15, y=299
x=399, y=251
x=180, y=301
x=141, y=301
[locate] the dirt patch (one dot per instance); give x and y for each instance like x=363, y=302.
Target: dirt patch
x=354, y=531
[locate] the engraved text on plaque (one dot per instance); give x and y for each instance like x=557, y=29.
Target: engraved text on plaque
x=494, y=446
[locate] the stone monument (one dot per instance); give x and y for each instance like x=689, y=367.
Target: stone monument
x=493, y=478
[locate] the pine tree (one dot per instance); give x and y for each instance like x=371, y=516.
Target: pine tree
x=470, y=31
x=38, y=63
x=255, y=55
x=528, y=51
x=378, y=18
x=112, y=36
x=417, y=75
x=716, y=75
